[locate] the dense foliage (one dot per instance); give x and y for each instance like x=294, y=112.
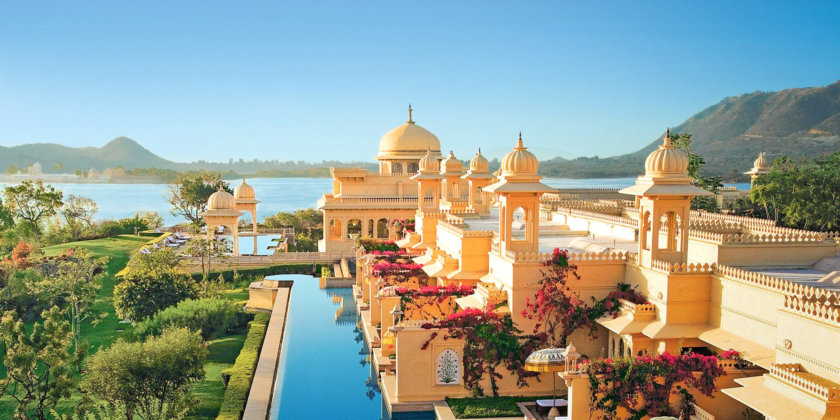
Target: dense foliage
x=377, y=245
x=487, y=406
x=149, y=379
x=39, y=365
x=804, y=195
x=307, y=223
x=492, y=342
x=644, y=385
x=140, y=294
x=211, y=317
x=560, y=311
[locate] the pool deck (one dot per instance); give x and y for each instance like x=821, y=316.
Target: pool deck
x=265, y=376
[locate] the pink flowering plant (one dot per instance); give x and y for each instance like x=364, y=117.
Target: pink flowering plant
x=370, y=245
x=491, y=343
x=560, y=311
x=644, y=385
x=431, y=302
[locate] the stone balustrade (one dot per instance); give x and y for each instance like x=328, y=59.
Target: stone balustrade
x=601, y=217
x=767, y=282
x=824, y=307
x=682, y=268
x=644, y=309
x=585, y=257
x=793, y=374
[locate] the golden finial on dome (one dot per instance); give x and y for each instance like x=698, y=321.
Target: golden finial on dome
x=667, y=137
x=519, y=144
x=410, y=121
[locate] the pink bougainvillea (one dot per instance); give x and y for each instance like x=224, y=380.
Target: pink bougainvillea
x=644, y=385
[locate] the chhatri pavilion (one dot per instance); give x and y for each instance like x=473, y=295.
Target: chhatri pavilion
x=710, y=282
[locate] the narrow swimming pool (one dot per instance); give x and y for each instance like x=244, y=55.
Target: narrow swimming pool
x=324, y=369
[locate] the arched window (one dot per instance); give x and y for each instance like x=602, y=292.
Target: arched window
x=518, y=224
x=448, y=370
x=645, y=233
x=396, y=168
x=354, y=227
x=479, y=195
x=370, y=228
x=620, y=347
x=382, y=228
x=413, y=168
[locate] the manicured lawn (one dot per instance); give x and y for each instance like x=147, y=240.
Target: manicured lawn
x=223, y=351
x=489, y=406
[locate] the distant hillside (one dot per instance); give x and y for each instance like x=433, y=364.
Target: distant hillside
x=803, y=122
x=121, y=151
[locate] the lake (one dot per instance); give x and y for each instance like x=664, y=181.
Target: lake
x=275, y=194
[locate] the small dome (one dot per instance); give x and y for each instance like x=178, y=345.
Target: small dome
x=451, y=164
x=408, y=139
x=244, y=191
x=761, y=163
x=520, y=161
x=479, y=164
x=429, y=163
x=667, y=160
x=221, y=200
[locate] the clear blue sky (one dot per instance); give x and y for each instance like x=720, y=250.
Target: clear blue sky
x=305, y=80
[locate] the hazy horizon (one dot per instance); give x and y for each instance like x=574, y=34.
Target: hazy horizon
x=301, y=81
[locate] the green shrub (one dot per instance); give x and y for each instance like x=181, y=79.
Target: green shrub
x=326, y=272
x=213, y=317
x=142, y=293
x=484, y=407
x=310, y=269
x=239, y=376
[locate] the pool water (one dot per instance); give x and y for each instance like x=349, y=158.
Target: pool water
x=323, y=370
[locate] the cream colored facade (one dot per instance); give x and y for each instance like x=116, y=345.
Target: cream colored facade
x=713, y=281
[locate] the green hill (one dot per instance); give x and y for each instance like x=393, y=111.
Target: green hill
x=121, y=151
x=802, y=122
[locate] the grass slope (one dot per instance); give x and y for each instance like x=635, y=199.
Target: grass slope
x=223, y=351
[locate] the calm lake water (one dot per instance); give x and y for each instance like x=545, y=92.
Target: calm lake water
x=275, y=194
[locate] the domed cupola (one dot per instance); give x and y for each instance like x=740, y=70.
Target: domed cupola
x=429, y=164
x=451, y=165
x=520, y=162
x=221, y=200
x=479, y=164
x=667, y=161
x=408, y=141
x=761, y=163
x=244, y=191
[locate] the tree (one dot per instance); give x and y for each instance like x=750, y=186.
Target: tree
x=164, y=257
x=78, y=213
x=151, y=219
x=21, y=293
x=307, y=223
x=150, y=380
x=39, y=364
x=141, y=294
x=74, y=285
x=189, y=193
x=32, y=201
x=205, y=250
x=6, y=220
x=712, y=184
x=803, y=194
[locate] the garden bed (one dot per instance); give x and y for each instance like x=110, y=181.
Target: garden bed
x=486, y=407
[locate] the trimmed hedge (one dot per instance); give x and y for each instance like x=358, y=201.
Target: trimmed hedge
x=239, y=376
x=484, y=407
x=212, y=316
x=309, y=269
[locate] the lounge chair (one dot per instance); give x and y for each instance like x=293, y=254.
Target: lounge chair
x=145, y=251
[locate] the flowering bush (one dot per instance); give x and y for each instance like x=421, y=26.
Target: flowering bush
x=491, y=342
x=430, y=302
x=403, y=226
x=643, y=385
x=392, y=269
x=560, y=311
x=377, y=245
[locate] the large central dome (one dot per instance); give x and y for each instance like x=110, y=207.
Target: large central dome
x=408, y=141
